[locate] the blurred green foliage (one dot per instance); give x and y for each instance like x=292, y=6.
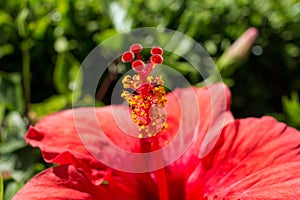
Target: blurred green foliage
x=291, y=110
x=42, y=44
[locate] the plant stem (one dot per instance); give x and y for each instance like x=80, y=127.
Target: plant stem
x=26, y=78
x=109, y=78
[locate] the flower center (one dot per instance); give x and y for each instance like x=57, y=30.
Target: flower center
x=148, y=100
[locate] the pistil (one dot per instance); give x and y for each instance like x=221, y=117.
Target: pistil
x=147, y=105
x=148, y=101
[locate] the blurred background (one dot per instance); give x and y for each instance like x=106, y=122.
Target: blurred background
x=43, y=43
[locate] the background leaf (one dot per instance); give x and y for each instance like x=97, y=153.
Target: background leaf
x=11, y=91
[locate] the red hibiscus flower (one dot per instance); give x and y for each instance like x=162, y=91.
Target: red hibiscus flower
x=200, y=152
x=252, y=159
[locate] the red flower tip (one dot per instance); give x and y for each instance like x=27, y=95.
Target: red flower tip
x=136, y=48
x=133, y=56
x=127, y=56
x=156, y=50
x=138, y=65
x=156, y=59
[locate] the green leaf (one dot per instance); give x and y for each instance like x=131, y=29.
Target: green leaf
x=67, y=76
x=11, y=189
x=103, y=35
x=11, y=91
x=7, y=163
x=11, y=146
x=50, y=105
x=291, y=109
x=6, y=49
x=15, y=125
x=21, y=22
x=60, y=74
x=40, y=27
x=4, y=18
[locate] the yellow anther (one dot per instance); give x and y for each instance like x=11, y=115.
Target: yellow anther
x=150, y=79
x=165, y=126
x=143, y=113
x=146, y=104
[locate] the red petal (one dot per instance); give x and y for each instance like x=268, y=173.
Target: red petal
x=63, y=182
x=60, y=136
x=58, y=140
x=213, y=109
x=69, y=183
x=253, y=159
x=281, y=181
x=213, y=103
x=215, y=114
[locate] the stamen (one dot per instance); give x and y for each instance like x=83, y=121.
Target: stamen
x=148, y=101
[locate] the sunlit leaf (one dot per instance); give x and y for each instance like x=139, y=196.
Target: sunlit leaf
x=11, y=146
x=5, y=18
x=119, y=17
x=6, y=49
x=103, y=35
x=61, y=45
x=67, y=77
x=22, y=23
x=40, y=27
